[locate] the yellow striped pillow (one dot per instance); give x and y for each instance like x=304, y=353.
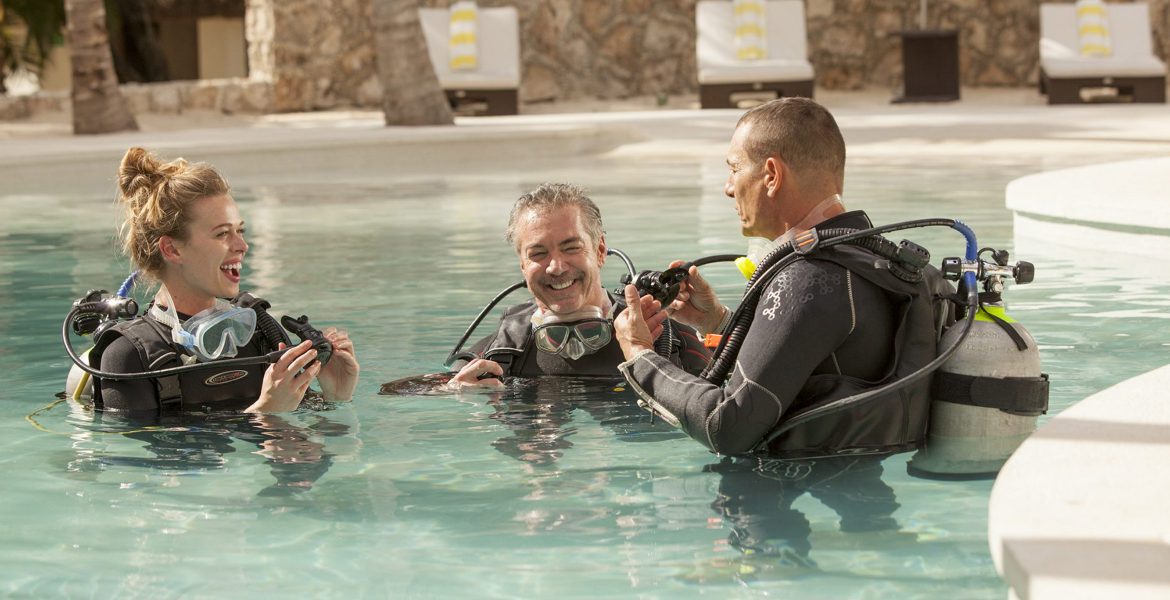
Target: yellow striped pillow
x=750, y=34
x=461, y=43
x=1093, y=28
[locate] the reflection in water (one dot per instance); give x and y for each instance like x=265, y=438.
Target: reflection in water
x=539, y=412
x=202, y=442
x=756, y=498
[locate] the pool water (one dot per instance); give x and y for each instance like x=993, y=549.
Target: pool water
x=548, y=489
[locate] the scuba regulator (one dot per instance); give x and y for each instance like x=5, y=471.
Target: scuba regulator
x=97, y=308
x=305, y=331
x=664, y=286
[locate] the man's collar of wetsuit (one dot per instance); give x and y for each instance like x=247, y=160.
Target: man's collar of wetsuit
x=854, y=219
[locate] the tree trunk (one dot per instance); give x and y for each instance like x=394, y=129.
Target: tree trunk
x=98, y=104
x=410, y=89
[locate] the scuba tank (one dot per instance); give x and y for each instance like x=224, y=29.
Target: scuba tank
x=93, y=312
x=987, y=398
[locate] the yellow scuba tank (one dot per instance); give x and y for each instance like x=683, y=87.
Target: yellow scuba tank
x=986, y=398
x=79, y=384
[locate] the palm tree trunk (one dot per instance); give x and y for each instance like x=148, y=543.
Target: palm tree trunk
x=411, y=94
x=98, y=104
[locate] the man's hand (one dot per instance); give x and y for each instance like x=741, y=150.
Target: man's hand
x=634, y=331
x=696, y=304
x=478, y=372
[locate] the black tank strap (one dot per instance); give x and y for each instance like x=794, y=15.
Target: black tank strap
x=1016, y=395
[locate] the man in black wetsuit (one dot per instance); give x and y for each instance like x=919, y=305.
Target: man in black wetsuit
x=827, y=326
x=567, y=327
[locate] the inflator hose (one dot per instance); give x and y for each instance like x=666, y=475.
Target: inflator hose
x=270, y=328
x=455, y=354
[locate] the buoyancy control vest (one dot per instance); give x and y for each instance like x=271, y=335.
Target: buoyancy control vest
x=231, y=388
x=511, y=346
x=892, y=422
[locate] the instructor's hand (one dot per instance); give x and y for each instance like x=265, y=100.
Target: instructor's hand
x=635, y=331
x=697, y=304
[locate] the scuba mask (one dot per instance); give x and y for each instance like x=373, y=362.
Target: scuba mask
x=211, y=334
x=574, y=335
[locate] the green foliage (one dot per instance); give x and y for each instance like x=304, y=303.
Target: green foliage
x=45, y=21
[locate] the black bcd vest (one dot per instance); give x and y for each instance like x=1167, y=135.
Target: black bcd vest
x=230, y=388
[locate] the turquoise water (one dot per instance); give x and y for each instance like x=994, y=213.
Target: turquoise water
x=550, y=489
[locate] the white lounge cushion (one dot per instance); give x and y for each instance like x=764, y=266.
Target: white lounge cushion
x=1130, y=34
x=786, y=42
x=498, y=37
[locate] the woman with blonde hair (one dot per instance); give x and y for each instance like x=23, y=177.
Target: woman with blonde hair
x=184, y=231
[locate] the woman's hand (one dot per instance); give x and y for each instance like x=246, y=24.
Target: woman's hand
x=339, y=378
x=634, y=331
x=470, y=375
x=697, y=304
x=284, y=382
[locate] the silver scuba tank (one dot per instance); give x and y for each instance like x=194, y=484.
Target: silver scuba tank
x=986, y=399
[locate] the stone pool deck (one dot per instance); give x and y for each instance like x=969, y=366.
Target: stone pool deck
x=1078, y=512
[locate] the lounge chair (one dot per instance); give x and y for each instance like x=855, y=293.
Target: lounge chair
x=1131, y=68
x=495, y=78
x=784, y=71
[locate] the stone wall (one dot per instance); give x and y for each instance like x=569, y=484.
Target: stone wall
x=226, y=96
x=618, y=48
x=316, y=54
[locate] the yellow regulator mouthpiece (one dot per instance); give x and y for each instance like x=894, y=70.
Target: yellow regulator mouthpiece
x=745, y=266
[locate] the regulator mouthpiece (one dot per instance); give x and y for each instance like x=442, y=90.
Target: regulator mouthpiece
x=305, y=331
x=663, y=286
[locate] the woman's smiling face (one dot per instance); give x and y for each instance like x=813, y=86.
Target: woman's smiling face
x=208, y=263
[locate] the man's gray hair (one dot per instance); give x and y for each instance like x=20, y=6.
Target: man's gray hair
x=801, y=132
x=550, y=196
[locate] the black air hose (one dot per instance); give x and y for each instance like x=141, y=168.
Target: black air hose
x=273, y=333
x=725, y=355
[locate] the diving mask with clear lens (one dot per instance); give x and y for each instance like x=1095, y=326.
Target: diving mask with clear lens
x=574, y=335
x=211, y=334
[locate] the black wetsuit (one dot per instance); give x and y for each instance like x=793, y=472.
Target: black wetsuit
x=513, y=348
x=827, y=326
x=144, y=344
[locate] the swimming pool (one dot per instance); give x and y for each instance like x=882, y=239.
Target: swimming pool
x=552, y=489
